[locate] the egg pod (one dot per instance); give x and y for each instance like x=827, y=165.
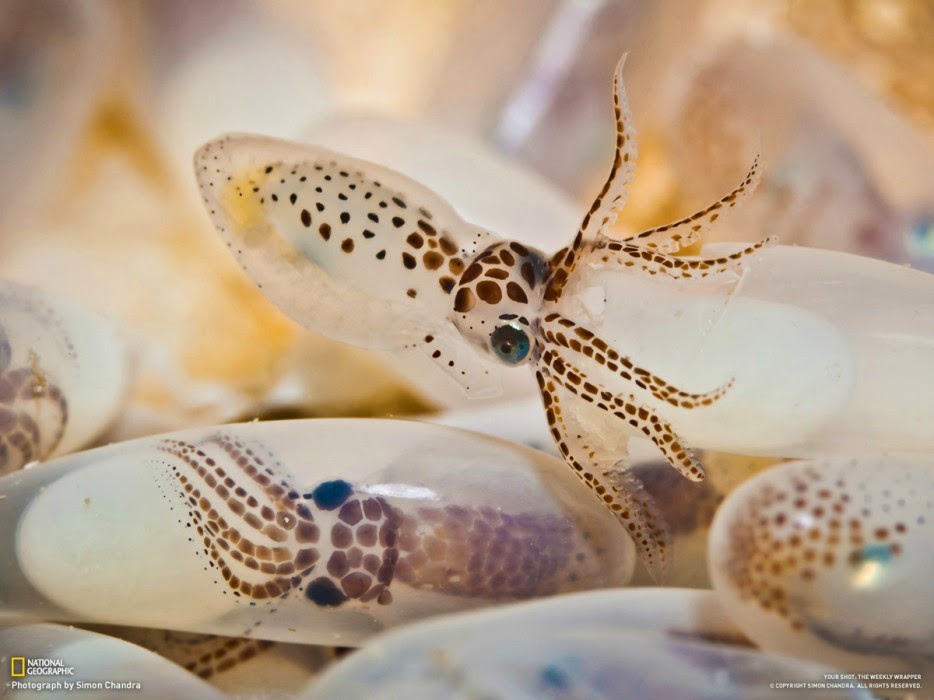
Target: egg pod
x=63, y=375
x=314, y=531
x=827, y=352
x=234, y=665
x=95, y=660
x=351, y=249
x=688, y=507
x=608, y=644
x=833, y=559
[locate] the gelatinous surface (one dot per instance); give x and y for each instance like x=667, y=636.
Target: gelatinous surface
x=833, y=559
x=830, y=352
x=619, y=644
x=95, y=660
x=63, y=374
x=624, y=336
x=236, y=665
x=397, y=247
x=333, y=528
x=688, y=507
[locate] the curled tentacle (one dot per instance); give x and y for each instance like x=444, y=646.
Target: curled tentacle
x=257, y=558
x=597, y=464
x=561, y=331
x=660, y=432
x=675, y=236
x=612, y=196
x=623, y=254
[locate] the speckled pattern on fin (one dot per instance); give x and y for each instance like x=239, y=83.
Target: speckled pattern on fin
x=349, y=248
x=322, y=233
x=445, y=347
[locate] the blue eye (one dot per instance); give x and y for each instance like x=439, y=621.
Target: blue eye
x=510, y=344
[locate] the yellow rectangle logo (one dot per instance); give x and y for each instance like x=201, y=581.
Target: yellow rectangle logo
x=18, y=662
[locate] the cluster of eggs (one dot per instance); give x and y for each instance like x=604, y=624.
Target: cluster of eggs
x=242, y=531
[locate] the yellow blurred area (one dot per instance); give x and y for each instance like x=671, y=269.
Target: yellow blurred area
x=112, y=218
x=889, y=44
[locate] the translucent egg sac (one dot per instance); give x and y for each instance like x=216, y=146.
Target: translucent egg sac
x=833, y=560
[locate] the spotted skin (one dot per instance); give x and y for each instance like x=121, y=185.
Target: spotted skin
x=673, y=237
x=652, y=263
x=648, y=251
x=205, y=655
x=831, y=550
x=321, y=233
x=499, y=284
x=220, y=654
x=403, y=270
x=33, y=411
x=264, y=539
x=601, y=466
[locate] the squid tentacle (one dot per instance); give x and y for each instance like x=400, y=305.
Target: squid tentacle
x=615, y=190
x=584, y=341
x=609, y=201
x=675, y=236
x=659, y=431
x=598, y=466
x=623, y=254
x=284, y=568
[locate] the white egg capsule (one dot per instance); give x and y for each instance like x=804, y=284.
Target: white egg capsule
x=307, y=531
x=238, y=666
x=643, y=643
x=97, y=666
x=63, y=375
x=833, y=560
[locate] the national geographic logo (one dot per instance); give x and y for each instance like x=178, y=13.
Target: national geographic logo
x=18, y=667
x=54, y=675
x=21, y=666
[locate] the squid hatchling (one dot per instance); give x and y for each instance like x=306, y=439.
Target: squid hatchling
x=367, y=256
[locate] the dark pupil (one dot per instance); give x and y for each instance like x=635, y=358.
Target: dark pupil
x=510, y=343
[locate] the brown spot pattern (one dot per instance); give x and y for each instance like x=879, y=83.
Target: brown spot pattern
x=204, y=655
x=804, y=521
x=619, y=491
x=507, y=282
x=561, y=331
x=675, y=236
x=33, y=412
x=264, y=540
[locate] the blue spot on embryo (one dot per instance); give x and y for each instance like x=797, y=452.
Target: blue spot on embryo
x=330, y=494
x=323, y=592
x=555, y=677
x=878, y=552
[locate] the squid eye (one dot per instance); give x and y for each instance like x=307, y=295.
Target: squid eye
x=510, y=343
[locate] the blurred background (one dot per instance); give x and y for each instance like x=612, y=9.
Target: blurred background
x=102, y=103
